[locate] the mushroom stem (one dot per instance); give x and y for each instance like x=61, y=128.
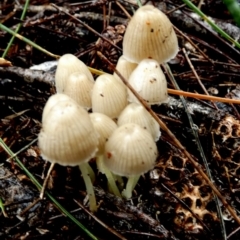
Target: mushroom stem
x=111, y=179
x=131, y=183
x=119, y=180
x=89, y=187
x=90, y=172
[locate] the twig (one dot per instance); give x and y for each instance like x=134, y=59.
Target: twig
x=88, y=27
x=100, y=222
x=196, y=75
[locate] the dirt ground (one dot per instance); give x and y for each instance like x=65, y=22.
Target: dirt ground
x=172, y=201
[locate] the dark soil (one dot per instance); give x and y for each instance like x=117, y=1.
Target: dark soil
x=172, y=201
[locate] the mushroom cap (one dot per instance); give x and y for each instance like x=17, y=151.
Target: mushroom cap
x=54, y=99
x=79, y=87
x=124, y=67
x=68, y=64
x=130, y=151
x=149, y=82
x=136, y=113
x=149, y=34
x=109, y=96
x=105, y=126
x=67, y=136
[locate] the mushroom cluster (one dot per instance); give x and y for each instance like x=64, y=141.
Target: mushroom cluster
x=119, y=132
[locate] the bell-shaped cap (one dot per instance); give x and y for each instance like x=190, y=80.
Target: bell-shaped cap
x=67, y=136
x=79, y=87
x=149, y=82
x=68, y=64
x=124, y=67
x=130, y=151
x=136, y=113
x=105, y=126
x=109, y=96
x=149, y=34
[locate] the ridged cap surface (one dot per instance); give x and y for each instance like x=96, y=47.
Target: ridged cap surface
x=109, y=96
x=130, y=150
x=67, y=136
x=149, y=81
x=68, y=64
x=136, y=113
x=149, y=34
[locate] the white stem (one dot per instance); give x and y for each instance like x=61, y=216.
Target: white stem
x=89, y=187
x=90, y=172
x=119, y=180
x=131, y=183
x=109, y=175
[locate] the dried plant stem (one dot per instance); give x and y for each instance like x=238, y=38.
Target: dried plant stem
x=46, y=180
x=196, y=75
x=201, y=96
x=163, y=126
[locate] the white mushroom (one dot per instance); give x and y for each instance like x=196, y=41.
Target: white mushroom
x=130, y=151
x=68, y=138
x=109, y=96
x=149, y=82
x=149, y=34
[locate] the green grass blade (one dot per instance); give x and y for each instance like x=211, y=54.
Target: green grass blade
x=39, y=186
x=18, y=28
x=234, y=9
x=31, y=43
x=213, y=25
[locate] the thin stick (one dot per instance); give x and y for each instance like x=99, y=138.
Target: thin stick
x=88, y=27
x=201, y=96
x=163, y=126
x=123, y=9
x=196, y=75
x=193, y=44
x=46, y=180
x=100, y=222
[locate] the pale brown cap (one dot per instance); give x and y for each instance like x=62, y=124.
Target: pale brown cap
x=109, y=96
x=79, y=87
x=136, y=113
x=149, y=34
x=149, y=82
x=130, y=151
x=125, y=68
x=67, y=136
x=68, y=64
x=105, y=126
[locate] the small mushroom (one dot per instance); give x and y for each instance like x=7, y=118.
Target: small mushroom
x=136, y=113
x=124, y=67
x=149, y=34
x=105, y=126
x=149, y=82
x=109, y=96
x=79, y=87
x=130, y=151
x=68, y=64
x=68, y=138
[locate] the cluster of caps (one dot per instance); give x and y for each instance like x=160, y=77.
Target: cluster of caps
x=119, y=129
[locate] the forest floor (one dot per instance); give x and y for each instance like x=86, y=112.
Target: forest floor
x=172, y=201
